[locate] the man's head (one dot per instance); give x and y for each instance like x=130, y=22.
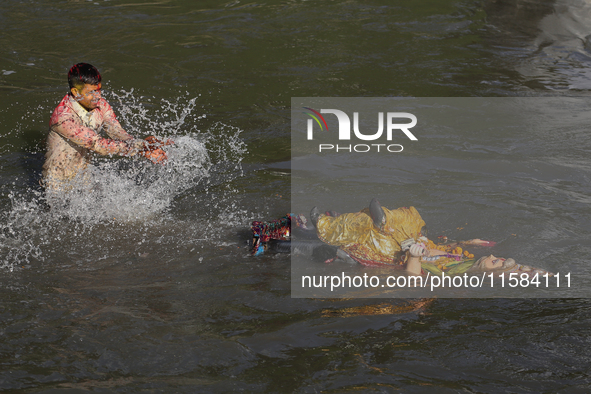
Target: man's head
x=85, y=85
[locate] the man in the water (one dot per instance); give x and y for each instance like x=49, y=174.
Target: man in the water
x=74, y=132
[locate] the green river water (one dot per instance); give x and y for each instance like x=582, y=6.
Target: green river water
x=148, y=286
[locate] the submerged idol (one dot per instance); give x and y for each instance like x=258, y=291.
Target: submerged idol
x=378, y=236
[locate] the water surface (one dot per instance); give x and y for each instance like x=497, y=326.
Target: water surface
x=147, y=285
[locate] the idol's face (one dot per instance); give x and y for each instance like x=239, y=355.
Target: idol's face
x=492, y=263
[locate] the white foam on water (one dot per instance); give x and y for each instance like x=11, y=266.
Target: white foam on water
x=135, y=190
x=561, y=51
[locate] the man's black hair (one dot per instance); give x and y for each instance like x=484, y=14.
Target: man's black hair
x=81, y=74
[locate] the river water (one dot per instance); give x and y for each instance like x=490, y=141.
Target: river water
x=146, y=284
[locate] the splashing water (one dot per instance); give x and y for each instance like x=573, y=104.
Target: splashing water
x=130, y=190
x=126, y=193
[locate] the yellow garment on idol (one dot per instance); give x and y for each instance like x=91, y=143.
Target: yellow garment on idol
x=356, y=234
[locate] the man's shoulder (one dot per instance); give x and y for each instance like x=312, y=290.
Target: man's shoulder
x=104, y=105
x=62, y=110
x=105, y=111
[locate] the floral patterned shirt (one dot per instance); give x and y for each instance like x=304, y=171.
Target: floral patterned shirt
x=74, y=132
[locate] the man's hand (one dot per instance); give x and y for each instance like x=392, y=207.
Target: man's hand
x=153, y=152
x=154, y=142
x=155, y=155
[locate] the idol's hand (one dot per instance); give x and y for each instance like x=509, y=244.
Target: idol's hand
x=480, y=242
x=418, y=250
x=413, y=263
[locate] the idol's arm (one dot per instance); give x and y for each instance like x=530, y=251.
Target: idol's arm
x=413, y=264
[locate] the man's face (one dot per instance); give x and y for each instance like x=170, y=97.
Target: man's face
x=88, y=97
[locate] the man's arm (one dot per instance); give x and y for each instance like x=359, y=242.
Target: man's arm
x=111, y=125
x=85, y=137
x=150, y=149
